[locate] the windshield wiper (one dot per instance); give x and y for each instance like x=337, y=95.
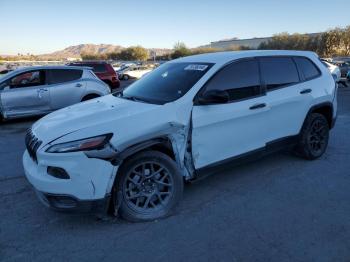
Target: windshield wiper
x=132, y=98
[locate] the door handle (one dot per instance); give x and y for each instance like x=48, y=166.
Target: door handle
x=257, y=106
x=78, y=85
x=306, y=91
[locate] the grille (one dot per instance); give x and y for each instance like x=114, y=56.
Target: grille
x=32, y=144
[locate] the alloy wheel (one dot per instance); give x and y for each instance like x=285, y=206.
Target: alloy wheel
x=148, y=187
x=317, y=138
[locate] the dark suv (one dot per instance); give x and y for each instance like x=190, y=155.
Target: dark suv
x=102, y=70
x=344, y=67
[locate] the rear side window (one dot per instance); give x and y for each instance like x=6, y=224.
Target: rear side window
x=307, y=68
x=278, y=72
x=58, y=76
x=240, y=79
x=97, y=68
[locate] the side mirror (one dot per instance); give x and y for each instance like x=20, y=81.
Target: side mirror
x=214, y=97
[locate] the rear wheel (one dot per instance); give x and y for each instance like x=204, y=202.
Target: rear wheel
x=125, y=77
x=314, y=137
x=150, y=185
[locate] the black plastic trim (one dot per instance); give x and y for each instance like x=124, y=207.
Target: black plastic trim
x=131, y=150
x=318, y=106
x=270, y=147
x=68, y=203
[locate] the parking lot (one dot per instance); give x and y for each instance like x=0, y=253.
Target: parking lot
x=279, y=208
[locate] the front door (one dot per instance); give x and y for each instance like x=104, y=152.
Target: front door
x=26, y=94
x=223, y=131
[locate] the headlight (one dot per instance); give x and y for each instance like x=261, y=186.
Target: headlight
x=91, y=143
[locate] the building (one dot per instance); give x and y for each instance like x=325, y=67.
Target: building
x=252, y=43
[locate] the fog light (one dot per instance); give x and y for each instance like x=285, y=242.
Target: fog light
x=57, y=172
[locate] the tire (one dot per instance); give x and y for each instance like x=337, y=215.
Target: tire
x=149, y=186
x=314, y=137
x=88, y=97
x=125, y=77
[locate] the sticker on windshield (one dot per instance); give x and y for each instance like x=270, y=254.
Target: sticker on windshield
x=196, y=67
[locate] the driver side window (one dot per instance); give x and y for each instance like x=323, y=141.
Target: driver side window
x=240, y=80
x=27, y=79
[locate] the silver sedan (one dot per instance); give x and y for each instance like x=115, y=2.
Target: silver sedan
x=42, y=89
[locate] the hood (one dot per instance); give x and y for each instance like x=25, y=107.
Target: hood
x=87, y=114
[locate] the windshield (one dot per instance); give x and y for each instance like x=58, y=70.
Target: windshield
x=167, y=83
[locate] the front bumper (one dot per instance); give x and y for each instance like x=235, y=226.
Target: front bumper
x=66, y=203
x=87, y=189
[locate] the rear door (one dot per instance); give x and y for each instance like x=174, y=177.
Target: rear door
x=288, y=94
x=26, y=94
x=66, y=87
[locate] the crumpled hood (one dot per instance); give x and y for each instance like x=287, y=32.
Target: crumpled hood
x=107, y=109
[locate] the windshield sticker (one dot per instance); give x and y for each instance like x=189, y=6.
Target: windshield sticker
x=196, y=67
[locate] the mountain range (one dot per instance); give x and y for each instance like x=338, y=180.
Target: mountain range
x=76, y=50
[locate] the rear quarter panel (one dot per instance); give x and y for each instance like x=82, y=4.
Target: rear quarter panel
x=96, y=87
x=324, y=88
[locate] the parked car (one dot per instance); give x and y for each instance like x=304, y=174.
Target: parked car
x=344, y=68
x=335, y=71
x=133, y=72
x=39, y=90
x=103, y=70
x=131, y=151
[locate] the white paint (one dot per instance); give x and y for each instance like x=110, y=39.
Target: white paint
x=219, y=131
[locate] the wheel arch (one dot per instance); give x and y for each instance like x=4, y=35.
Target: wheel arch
x=90, y=96
x=325, y=109
x=162, y=144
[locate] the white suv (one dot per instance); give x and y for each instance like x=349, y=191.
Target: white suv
x=131, y=152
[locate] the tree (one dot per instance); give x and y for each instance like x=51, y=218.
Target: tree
x=133, y=53
x=203, y=50
x=237, y=48
x=180, y=50
x=91, y=56
x=113, y=55
x=346, y=40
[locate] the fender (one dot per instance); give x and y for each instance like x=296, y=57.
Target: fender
x=131, y=150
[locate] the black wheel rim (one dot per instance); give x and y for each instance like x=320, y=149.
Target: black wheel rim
x=318, y=137
x=148, y=187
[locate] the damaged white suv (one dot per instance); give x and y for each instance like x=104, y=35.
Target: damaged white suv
x=131, y=152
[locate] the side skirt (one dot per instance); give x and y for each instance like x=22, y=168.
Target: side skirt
x=271, y=147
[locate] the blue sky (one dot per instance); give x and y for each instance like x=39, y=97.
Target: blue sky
x=42, y=26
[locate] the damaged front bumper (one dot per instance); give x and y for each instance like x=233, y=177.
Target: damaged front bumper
x=87, y=188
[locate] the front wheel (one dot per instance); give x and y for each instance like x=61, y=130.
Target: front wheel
x=125, y=77
x=314, y=137
x=150, y=185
